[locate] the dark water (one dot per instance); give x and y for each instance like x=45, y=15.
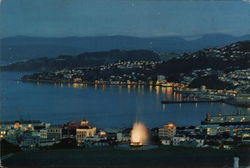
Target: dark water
x=102, y=106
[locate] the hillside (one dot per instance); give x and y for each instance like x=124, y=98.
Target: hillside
x=225, y=67
x=211, y=82
x=81, y=60
x=234, y=56
x=219, y=67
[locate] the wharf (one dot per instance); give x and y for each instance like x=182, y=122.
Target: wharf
x=227, y=101
x=188, y=101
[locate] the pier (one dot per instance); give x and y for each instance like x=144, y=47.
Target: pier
x=206, y=101
x=188, y=101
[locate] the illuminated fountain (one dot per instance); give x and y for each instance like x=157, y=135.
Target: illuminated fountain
x=139, y=135
x=139, y=139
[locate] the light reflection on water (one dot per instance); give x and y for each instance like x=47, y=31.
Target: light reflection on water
x=105, y=106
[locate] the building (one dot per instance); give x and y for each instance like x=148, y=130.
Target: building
x=242, y=98
x=210, y=129
x=43, y=133
x=161, y=79
x=2, y=133
x=233, y=124
x=177, y=140
x=167, y=131
x=166, y=142
x=54, y=132
x=227, y=119
x=22, y=125
x=30, y=139
x=94, y=141
x=17, y=125
x=203, y=87
x=84, y=130
x=45, y=142
x=69, y=130
x=14, y=136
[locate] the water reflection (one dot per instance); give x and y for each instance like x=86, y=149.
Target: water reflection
x=157, y=90
x=180, y=105
x=160, y=93
x=164, y=92
x=163, y=89
x=170, y=92
x=164, y=107
x=105, y=106
x=150, y=88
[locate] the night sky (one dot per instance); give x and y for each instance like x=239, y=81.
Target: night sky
x=59, y=18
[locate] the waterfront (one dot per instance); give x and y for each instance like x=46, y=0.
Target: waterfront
x=58, y=103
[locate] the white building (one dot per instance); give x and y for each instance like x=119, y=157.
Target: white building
x=84, y=130
x=167, y=131
x=43, y=134
x=178, y=139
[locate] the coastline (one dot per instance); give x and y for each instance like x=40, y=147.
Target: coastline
x=91, y=83
x=106, y=83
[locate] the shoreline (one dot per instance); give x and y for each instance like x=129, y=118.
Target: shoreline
x=144, y=85
x=92, y=83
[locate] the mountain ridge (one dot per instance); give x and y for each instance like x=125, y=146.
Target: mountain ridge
x=20, y=48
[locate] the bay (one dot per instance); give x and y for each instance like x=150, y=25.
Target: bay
x=103, y=106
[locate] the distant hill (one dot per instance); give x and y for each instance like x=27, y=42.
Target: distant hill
x=233, y=56
x=23, y=47
x=82, y=60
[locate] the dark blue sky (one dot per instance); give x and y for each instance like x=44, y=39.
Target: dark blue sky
x=56, y=18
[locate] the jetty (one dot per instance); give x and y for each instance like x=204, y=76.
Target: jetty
x=189, y=101
x=227, y=101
